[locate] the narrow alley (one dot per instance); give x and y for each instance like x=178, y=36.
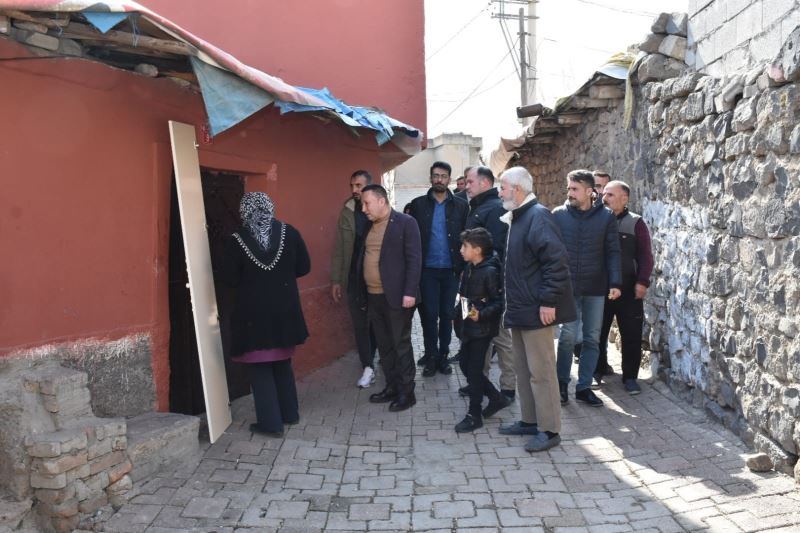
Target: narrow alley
x=646, y=463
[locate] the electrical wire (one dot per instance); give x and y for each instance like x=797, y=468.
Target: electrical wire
x=458, y=32
x=619, y=9
x=474, y=90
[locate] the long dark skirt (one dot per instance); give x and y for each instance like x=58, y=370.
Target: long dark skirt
x=274, y=394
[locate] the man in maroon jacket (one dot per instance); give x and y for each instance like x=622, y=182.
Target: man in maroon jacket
x=390, y=267
x=637, y=265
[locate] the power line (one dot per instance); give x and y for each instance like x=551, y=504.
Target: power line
x=619, y=9
x=472, y=92
x=576, y=45
x=458, y=32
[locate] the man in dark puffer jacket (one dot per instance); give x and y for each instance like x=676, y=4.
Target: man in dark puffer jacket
x=592, y=239
x=538, y=296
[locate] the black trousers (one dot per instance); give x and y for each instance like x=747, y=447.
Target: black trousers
x=392, y=328
x=473, y=359
x=629, y=313
x=274, y=394
x=365, y=338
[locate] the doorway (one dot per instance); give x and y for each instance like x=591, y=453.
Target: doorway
x=222, y=193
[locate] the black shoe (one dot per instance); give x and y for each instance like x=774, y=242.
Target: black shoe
x=588, y=396
x=464, y=391
x=445, y=369
x=386, y=395
x=510, y=394
x=422, y=361
x=500, y=403
x=255, y=428
x=429, y=371
x=608, y=371
x=455, y=359
x=519, y=428
x=470, y=423
x=543, y=441
x=403, y=402
x=562, y=389
x=598, y=381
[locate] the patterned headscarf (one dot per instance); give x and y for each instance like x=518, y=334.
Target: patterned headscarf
x=258, y=212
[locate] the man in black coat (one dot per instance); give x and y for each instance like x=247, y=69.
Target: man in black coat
x=590, y=234
x=485, y=210
x=389, y=273
x=441, y=218
x=538, y=296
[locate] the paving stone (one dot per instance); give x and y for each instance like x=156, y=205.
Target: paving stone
x=229, y=475
x=205, y=507
x=459, y=509
x=304, y=481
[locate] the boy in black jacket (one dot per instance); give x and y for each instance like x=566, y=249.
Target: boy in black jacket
x=481, y=302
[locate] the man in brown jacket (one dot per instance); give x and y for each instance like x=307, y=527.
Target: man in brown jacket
x=389, y=275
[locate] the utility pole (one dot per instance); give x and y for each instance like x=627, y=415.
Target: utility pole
x=534, y=53
x=526, y=60
x=523, y=62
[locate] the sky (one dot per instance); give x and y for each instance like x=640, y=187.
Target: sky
x=472, y=85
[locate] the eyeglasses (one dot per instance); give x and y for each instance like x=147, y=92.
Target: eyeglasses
x=437, y=176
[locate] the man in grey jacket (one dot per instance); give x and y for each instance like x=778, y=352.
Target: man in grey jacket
x=592, y=240
x=538, y=296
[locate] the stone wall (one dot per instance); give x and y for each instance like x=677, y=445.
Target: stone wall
x=120, y=371
x=714, y=168
x=727, y=36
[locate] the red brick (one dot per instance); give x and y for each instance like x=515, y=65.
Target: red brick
x=61, y=464
x=55, y=496
x=107, y=461
x=92, y=504
x=116, y=472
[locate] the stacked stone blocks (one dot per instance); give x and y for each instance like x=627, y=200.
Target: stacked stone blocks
x=82, y=465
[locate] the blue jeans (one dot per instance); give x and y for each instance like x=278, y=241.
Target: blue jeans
x=590, y=313
x=439, y=287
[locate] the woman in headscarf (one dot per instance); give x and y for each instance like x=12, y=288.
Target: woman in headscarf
x=262, y=263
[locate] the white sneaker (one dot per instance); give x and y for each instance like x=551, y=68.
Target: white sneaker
x=367, y=378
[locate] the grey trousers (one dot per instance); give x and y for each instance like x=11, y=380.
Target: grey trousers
x=505, y=359
x=537, y=382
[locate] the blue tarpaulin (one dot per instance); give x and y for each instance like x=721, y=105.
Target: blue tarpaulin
x=228, y=98
x=104, y=21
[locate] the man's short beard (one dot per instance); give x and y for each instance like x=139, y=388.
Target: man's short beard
x=438, y=187
x=509, y=205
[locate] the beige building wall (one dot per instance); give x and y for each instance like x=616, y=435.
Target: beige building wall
x=412, y=178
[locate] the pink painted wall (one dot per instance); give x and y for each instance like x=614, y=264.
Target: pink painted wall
x=84, y=216
x=367, y=52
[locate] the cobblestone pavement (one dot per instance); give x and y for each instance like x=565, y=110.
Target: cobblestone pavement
x=647, y=463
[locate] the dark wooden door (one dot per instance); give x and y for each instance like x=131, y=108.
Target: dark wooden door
x=221, y=196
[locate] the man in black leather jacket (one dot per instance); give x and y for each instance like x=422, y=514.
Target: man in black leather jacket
x=591, y=236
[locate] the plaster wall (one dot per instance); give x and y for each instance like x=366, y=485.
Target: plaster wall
x=87, y=170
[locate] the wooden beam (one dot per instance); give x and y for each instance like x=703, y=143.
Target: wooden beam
x=105, y=45
x=54, y=23
x=606, y=91
x=76, y=30
x=581, y=102
x=570, y=120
